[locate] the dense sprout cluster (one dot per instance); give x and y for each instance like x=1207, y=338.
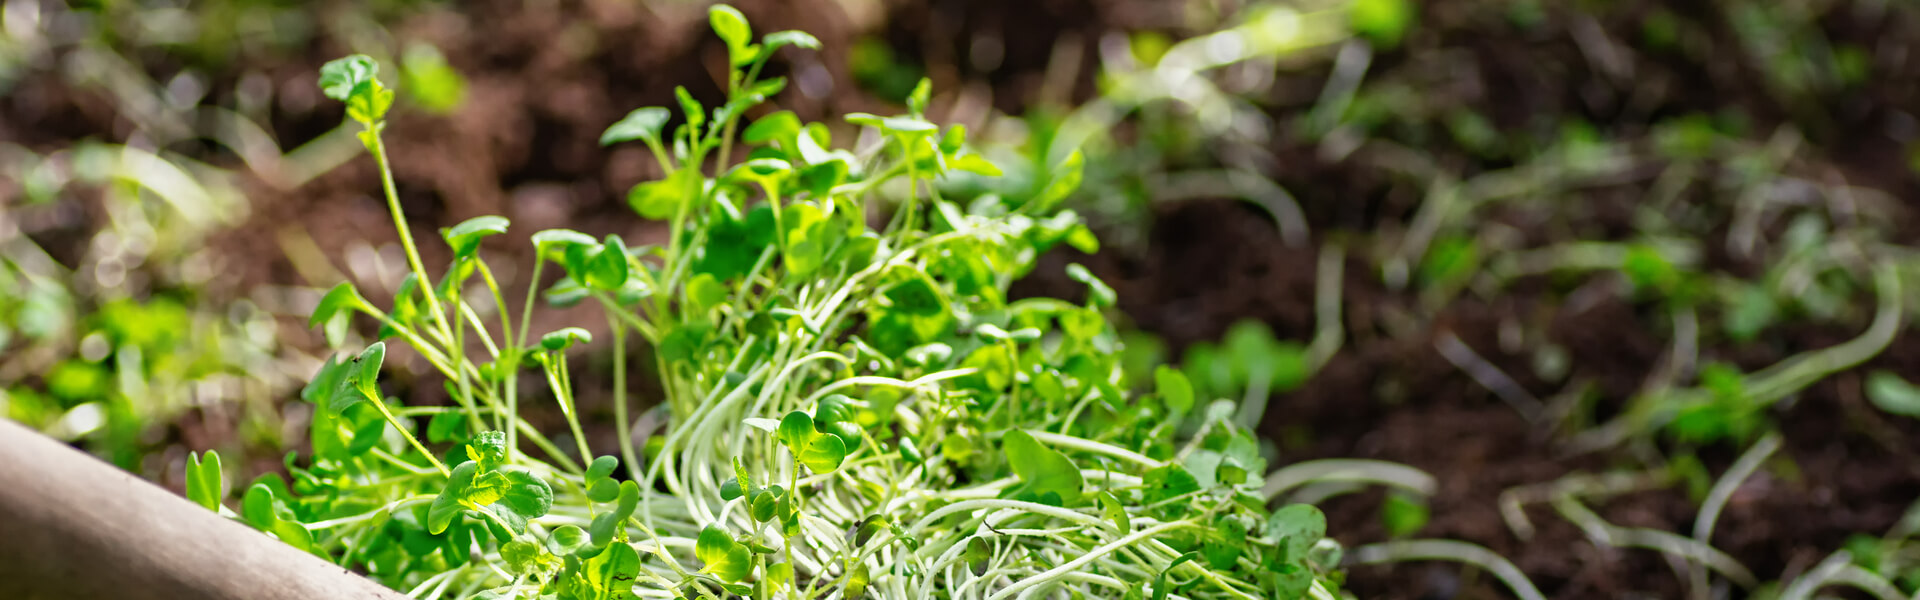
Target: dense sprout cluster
x=851, y=410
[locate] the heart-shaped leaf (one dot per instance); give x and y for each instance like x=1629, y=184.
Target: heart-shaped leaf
x=823, y=453
x=205, y=483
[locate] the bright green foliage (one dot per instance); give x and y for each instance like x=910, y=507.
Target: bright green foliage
x=354, y=80
x=1047, y=476
x=1404, y=514
x=509, y=498
x=854, y=405
x=1384, y=21
x=429, y=81
x=642, y=124
x=206, y=485
x=270, y=513
x=465, y=237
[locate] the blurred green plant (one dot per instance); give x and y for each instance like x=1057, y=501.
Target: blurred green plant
x=118, y=344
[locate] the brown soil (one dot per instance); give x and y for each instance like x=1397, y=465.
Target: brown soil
x=543, y=83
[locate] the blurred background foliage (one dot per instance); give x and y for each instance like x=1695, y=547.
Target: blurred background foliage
x=1511, y=243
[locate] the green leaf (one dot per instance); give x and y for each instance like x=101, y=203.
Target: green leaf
x=766, y=88
x=614, y=571
x=363, y=377
x=465, y=237
x=1384, y=22
x=604, y=490
x=487, y=487
x=369, y=104
x=823, y=453
x=995, y=369
x=780, y=575
x=526, y=497
x=976, y=164
x=293, y=534
x=696, y=115
x=907, y=125
x=447, y=427
x=605, y=525
x=566, y=539
x=489, y=449
x=406, y=307
x=704, y=292
x=429, y=80
x=1066, y=179
x=955, y=138
x=337, y=304
x=327, y=383
x=1047, y=475
x=602, y=467
x=799, y=39
x=834, y=408
x=732, y=28
x=1403, y=514
x=713, y=545
x=261, y=509
x=446, y=506
x=520, y=556
x=561, y=238
x=257, y=506
x=857, y=579
x=1110, y=506
x=607, y=269
x=921, y=94
x=796, y=429
x=340, y=76
x=353, y=80
x=641, y=124
x=1299, y=525
x=565, y=338
x=1173, y=388
x=660, y=199
x=1893, y=394
x=205, y=483
x=1167, y=482
x=773, y=127
x=764, y=504
x=1224, y=543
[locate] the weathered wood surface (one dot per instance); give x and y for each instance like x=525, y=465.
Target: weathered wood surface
x=75, y=528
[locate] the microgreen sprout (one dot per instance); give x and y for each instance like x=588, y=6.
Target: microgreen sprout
x=850, y=411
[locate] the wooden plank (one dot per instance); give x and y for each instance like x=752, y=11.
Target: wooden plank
x=75, y=528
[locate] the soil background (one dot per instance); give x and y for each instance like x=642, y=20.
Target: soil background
x=545, y=78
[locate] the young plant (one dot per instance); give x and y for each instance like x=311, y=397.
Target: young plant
x=851, y=411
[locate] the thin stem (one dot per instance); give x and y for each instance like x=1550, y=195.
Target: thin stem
x=622, y=425
x=379, y=151
x=395, y=422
